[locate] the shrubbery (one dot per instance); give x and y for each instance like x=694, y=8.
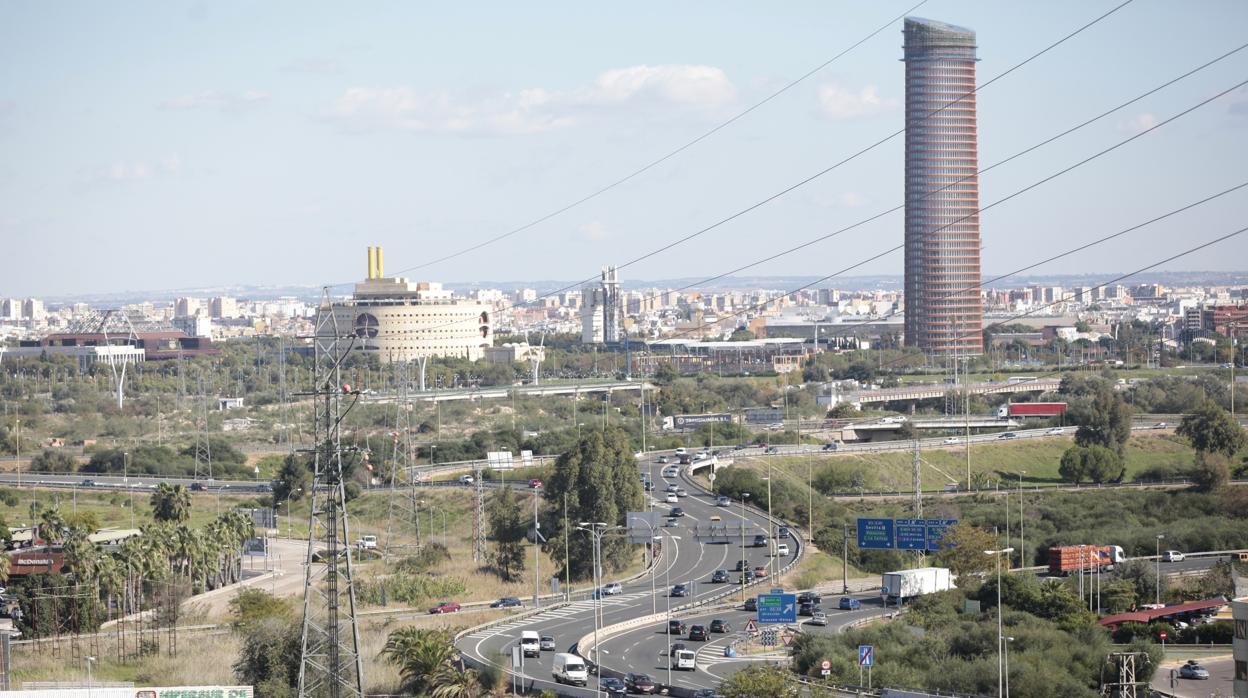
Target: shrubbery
x=407, y=588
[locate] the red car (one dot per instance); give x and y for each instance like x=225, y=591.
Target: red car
x=445, y=607
x=535, y=483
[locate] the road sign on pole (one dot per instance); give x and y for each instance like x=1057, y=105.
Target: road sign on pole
x=777, y=608
x=825, y=667
x=751, y=627
x=866, y=655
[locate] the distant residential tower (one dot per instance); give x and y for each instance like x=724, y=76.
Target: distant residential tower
x=944, y=311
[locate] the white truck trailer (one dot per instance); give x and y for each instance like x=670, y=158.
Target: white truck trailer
x=898, y=586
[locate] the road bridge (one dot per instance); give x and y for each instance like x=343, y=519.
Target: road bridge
x=938, y=390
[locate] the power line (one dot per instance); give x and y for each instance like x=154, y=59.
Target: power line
x=1008, y=197
x=671, y=154
x=834, y=166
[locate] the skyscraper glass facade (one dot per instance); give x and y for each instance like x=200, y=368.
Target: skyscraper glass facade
x=944, y=311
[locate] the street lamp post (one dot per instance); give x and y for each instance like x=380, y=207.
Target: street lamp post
x=770, y=530
x=1022, y=542
x=1157, y=592
x=1008, y=640
x=744, y=496
x=90, y=682
x=667, y=581
x=1000, y=635
x=595, y=530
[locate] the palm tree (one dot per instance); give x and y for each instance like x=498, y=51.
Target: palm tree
x=51, y=525
x=4, y=568
x=419, y=653
x=453, y=681
x=171, y=503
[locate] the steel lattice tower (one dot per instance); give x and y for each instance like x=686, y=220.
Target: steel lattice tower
x=331, y=666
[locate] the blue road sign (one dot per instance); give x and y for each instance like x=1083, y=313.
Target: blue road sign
x=911, y=534
x=936, y=530
x=866, y=655
x=777, y=608
x=876, y=534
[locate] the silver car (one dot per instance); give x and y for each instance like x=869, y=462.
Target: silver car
x=818, y=618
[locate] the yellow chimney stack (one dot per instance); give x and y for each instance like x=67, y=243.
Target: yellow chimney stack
x=372, y=262
x=381, y=267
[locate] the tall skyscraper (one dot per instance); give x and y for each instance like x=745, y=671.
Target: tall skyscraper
x=944, y=313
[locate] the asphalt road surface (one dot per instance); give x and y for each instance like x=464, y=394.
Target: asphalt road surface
x=1220, y=682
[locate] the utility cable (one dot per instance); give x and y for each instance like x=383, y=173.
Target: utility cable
x=671, y=154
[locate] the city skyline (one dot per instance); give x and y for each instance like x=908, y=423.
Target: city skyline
x=131, y=172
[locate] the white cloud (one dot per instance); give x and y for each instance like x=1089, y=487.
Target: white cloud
x=1138, y=123
x=852, y=199
x=215, y=99
x=138, y=170
x=838, y=102
x=314, y=66
x=594, y=232
x=535, y=110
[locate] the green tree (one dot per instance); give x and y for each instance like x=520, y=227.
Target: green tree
x=741, y=334
x=171, y=503
x=962, y=549
x=51, y=525
x=1094, y=463
x=293, y=480
x=756, y=681
x=419, y=653
x=269, y=658
x=599, y=479
x=1103, y=417
x=508, y=526
x=665, y=373
x=1211, y=429
x=1211, y=471
x=51, y=460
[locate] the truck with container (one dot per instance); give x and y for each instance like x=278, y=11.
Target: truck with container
x=898, y=586
x=1065, y=559
x=1031, y=409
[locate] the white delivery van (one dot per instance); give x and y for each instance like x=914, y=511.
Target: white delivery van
x=683, y=660
x=569, y=668
x=530, y=643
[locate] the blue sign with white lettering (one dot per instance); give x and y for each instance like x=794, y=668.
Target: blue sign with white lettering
x=911, y=534
x=936, y=531
x=875, y=534
x=777, y=608
x=866, y=655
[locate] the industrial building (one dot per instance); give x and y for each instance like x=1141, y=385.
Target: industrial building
x=601, y=309
x=113, y=337
x=399, y=320
x=944, y=311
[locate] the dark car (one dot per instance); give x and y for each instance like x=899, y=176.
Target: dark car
x=535, y=483
x=1008, y=435
x=445, y=607
x=830, y=447
x=547, y=643
x=741, y=564
x=264, y=487
x=649, y=486
x=675, y=627
x=808, y=597
x=760, y=541
x=782, y=532
x=706, y=693
x=808, y=609
x=751, y=604
x=677, y=646
x=507, y=602
x=771, y=449
x=719, y=625
x=640, y=683
x=719, y=577
x=849, y=603
x=698, y=633
x=739, y=447
x=198, y=487
x=87, y=483
x=747, y=576
x=613, y=686
x=680, y=590
x=676, y=512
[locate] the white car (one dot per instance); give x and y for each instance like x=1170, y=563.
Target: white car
x=680, y=492
x=367, y=543
x=612, y=589
x=782, y=550
x=953, y=440
x=670, y=472
x=672, y=498
x=672, y=488
x=1055, y=431
x=1172, y=556
x=701, y=455
x=466, y=480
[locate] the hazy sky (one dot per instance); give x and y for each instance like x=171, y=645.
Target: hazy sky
x=160, y=145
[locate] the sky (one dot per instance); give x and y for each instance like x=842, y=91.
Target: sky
x=148, y=146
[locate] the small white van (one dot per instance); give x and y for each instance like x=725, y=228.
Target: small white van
x=569, y=668
x=684, y=660
x=530, y=643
